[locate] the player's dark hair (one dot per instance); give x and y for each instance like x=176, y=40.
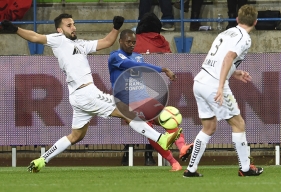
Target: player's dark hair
x=124, y=32
x=59, y=18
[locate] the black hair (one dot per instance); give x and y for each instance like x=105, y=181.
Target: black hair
x=124, y=32
x=149, y=23
x=59, y=18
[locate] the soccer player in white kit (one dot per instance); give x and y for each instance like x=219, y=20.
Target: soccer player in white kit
x=85, y=98
x=214, y=98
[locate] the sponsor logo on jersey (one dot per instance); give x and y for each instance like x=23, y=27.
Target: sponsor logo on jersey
x=134, y=84
x=76, y=51
x=122, y=56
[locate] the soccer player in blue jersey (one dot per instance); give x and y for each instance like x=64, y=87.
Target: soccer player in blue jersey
x=139, y=101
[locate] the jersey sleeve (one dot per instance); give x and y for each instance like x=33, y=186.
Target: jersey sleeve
x=116, y=59
x=91, y=46
x=122, y=62
x=54, y=40
x=241, y=46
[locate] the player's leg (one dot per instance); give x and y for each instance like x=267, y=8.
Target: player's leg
x=204, y=96
x=240, y=144
x=140, y=126
x=180, y=142
x=166, y=154
x=80, y=123
x=62, y=144
x=149, y=109
x=232, y=115
x=200, y=143
x=184, y=148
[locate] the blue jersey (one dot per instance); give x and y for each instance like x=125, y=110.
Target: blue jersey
x=131, y=86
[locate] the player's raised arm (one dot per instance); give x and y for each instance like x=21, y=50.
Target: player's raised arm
x=26, y=34
x=111, y=37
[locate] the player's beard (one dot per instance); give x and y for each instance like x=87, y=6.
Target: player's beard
x=70, y=36
x=73, y=37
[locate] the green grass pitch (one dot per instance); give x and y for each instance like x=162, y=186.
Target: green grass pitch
x=137, y=179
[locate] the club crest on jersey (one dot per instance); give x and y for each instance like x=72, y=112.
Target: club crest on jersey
x=138, y=59
x=122, y=56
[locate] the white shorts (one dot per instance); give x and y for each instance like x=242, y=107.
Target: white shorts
x=88, y=102
x=207, y=107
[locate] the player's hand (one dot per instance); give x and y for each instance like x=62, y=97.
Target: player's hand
x=8, y=27
x=242, y=76
x=169, y=74
x=219, y=96
x=118, y=22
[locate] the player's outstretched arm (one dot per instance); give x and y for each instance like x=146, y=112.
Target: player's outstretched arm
x=169, y=73
x=111, y=37
x=29, y=35
x=128, y=63
x=32, y=36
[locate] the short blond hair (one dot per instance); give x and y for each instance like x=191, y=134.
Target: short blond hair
x=247, y=15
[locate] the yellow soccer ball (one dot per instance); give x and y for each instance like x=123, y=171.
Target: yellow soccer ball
x=170, y=117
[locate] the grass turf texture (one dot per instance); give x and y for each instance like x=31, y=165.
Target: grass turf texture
x=137, y=179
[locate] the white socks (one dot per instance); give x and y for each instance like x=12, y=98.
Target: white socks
x=137, y=124
x=240, y=145
x=143, y=128
x=61, y=145
x=199, y=147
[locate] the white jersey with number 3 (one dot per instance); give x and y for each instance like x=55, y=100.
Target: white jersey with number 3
x=235, y=39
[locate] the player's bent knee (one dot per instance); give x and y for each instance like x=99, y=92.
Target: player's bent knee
x=237, y=123
x=122, y=110
x=75, y=138
x=77, y=135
